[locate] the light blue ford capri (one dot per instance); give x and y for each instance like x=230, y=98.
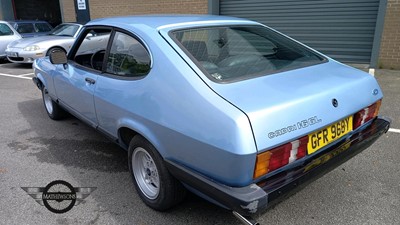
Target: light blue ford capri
x=227, y=108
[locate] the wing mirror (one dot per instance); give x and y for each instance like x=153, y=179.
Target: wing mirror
x=89, y=36
x=58, y=57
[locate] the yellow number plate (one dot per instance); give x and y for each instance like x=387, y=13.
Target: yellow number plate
x=329, y=134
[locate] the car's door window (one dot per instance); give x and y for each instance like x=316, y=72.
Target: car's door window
x=5, y=30
x=92, y=49
x=25, y=28
x=128, y=57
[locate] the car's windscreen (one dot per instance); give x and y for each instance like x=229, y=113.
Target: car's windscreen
x=242, y=52
x=5, y=30
x=65, y=30
x=42, y=27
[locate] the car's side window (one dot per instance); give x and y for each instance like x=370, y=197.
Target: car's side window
x=128, y=57
x=92, y=49
x=5, y=30
x=25, y=28
x=42, y=27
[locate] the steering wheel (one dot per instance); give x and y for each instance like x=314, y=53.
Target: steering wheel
x=96, y=58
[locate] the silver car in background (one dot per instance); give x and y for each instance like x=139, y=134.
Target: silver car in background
x=7, y=34
x=31, y=28
x=26, y=50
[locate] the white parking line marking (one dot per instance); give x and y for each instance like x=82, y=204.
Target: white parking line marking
x=26, y=74
x=16, y=76
x=394, y=130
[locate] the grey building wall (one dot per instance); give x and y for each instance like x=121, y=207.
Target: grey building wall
x=6, y=10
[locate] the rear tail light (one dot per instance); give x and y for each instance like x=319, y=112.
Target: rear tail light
x=366, y=114
x=280, y=156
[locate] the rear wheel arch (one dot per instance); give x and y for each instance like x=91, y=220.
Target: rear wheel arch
x=129, y=129
x=125, y=135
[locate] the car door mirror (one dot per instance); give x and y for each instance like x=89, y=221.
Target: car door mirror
x=58, y=57
x=89, y=36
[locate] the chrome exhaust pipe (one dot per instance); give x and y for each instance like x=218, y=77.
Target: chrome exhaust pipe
x=243, y=219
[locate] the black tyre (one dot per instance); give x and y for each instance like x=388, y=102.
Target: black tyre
x=54, y=111
x=155, y=185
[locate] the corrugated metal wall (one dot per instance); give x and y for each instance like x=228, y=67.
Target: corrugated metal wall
x=342, y=29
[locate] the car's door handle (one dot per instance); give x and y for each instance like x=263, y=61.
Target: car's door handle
x=90, y=80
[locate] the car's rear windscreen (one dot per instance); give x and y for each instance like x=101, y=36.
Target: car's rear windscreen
x=233, y=53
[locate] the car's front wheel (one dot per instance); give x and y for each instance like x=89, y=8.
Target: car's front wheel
x=54, y=111
x=155, y=185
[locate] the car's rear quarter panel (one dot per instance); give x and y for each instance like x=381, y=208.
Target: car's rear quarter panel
x=178, y=113
x=278, y=100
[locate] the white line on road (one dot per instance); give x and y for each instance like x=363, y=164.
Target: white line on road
x=16, y=76
x=26, y=74
x=394, y=130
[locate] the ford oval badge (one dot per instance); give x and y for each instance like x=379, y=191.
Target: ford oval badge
x=335, y=102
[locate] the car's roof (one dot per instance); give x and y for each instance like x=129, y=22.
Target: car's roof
x=165, y=20
x=27, y=21
x=7, y=23
x=71, y=23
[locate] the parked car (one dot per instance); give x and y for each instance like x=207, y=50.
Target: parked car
x=227, y=108
x=26, y=50
x=7, y=35
x=31, y=28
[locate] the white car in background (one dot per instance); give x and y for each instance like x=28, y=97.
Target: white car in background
x=7, y=35
x=26, y=50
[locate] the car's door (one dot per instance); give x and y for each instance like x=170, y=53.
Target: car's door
x=75, y=82
x=120, y=93
x=7, y=35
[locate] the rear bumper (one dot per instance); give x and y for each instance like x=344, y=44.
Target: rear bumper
x=256, y=198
